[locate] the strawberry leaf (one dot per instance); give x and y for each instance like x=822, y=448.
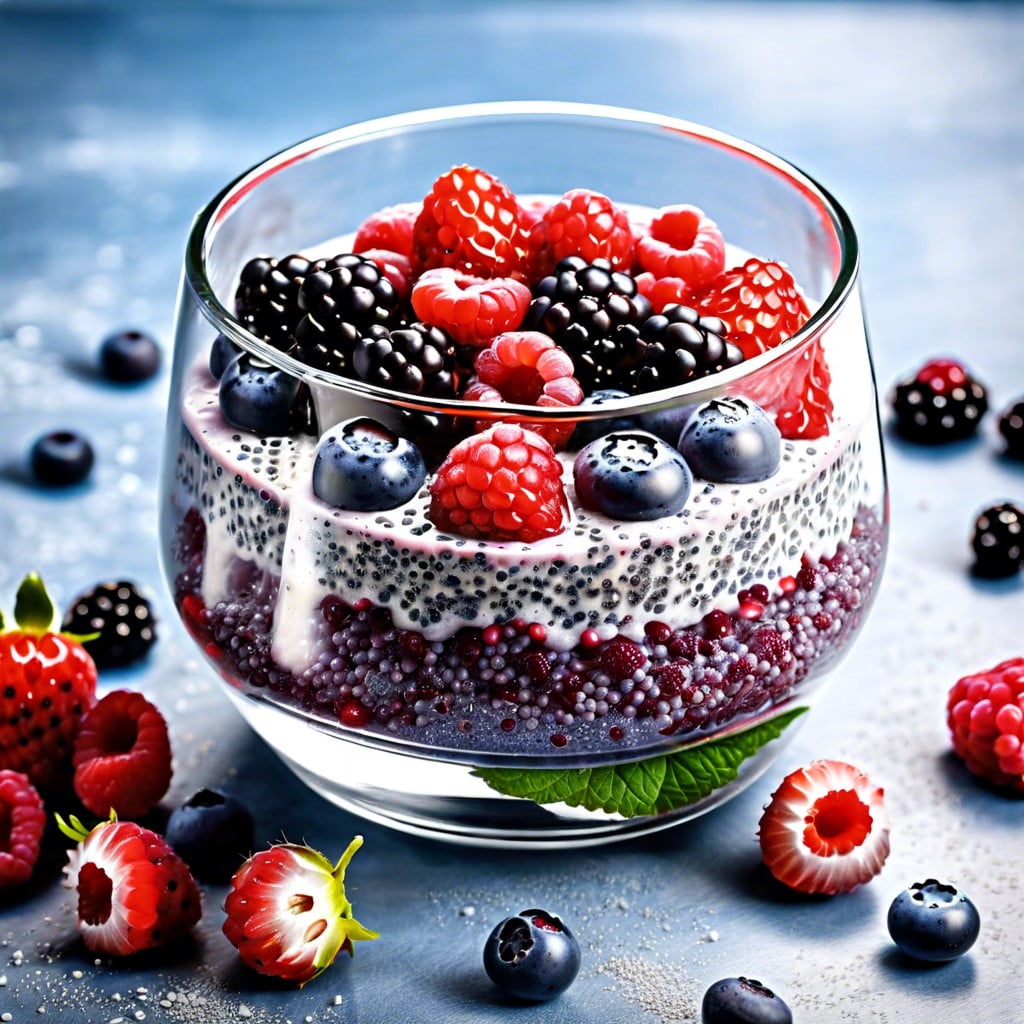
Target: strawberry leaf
x=655, y=785
x=33, y=610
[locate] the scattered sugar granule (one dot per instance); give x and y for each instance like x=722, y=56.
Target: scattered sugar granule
x=656, y=988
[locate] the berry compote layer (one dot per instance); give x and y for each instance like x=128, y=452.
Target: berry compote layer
x=610, y=635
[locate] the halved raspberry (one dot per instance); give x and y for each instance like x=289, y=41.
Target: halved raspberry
x=504, y=484
x=585, y=224
x=22, y=822
x=122, y=756
x=473, y=310
x=826, y=829
x=389, y=229
x=797, y=393
x=683, y=242
x=664, y=291
x=759, y=301
x=395, y=266
x=985, y=714
x=527, y=368
x=471, y=221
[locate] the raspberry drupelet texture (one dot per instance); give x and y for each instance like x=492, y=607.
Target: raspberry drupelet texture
x=585, y=224
x=985, y=714
x=473, y=310
x=683, y=242
x=22, y=822
x=390, y=229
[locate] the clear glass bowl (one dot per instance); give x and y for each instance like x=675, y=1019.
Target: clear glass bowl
x=416, y=678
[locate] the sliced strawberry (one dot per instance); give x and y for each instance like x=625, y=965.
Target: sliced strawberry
x=134, y=891
x=825, y=830
x=287, y=912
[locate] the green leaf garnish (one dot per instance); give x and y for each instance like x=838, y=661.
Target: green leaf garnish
x=33, y=610
x=652, y=786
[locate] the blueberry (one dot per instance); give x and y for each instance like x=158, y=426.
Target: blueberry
x=532, y=956
x=667, y=423
x=129, y=357
x=360, y=465
x=934, y=922
x=61, y=459
x=731, y=440
x=212, y=832
x=631, y=475
x=259, y=397
x=222, y=352
x=743, y=1001
x=590, y=430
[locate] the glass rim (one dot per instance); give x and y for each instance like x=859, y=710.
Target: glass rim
x=208, y=219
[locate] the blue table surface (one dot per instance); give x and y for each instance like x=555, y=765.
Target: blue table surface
x=118, y=121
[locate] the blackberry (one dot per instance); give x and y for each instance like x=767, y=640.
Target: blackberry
x=267, y=299
x=418, y=359
x=121, y=616
x=1011, y=426
x=998, y=541
x=939, y=404
x=679, y=345
x=594, y=313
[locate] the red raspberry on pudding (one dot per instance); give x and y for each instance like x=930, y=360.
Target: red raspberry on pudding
x=504, y=484
x=389, y=229
x=683, y=242
x=473, y=310
x=664, y=291
x=395, y=266
x=585, y=224
x=527, y=368
x=22, y=822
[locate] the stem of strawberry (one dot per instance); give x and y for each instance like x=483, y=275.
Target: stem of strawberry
x=33, y=610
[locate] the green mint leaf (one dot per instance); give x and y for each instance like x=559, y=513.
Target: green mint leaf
x=33, y=609
x=655, y=785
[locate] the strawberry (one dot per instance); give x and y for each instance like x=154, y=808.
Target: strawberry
x=47, y=682
x=134, y=891
x=287, y=912
x=825, y=830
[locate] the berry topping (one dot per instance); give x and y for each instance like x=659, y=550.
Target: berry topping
x=129, y=356
x=631, y=475
x=940, y=403
x=594, y=313
x=418, y=359
x=261, y=398
x=362, y=466
x=120, y=615
x=471, y=221
x=287, y=912
x=502, y=484
x=395, y=266
x=933, y=922
x=1011, y=426
x=758, y=301
x=590, y=430
x=267, y=299
x=349, y=289
x=731, y=440
x=743, y=1001
x=122, y=757
x=826, y=829
x=47, y=682
x=473, y=310
x=223, y=351
x=685, y=243
x=998, y=541
x=985, y=714
x=62, y=458
x=134, y=891
x=22, y=823
x=528, y=368
x=390, y=228
x=212, y=832
x=664, y=291
x=584, y=224
x=797, y=392
x=532, y=956
x=680, y=345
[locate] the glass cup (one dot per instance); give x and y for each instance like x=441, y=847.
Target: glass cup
x=501, y=692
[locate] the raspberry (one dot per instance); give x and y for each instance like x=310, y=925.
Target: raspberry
x=122, y=756
x=473, y=310
x=760, y=303
x=471, y=221
x=985, y=714
x=390, y=229
x=683, y=242
x=22, y=823
x=585, y=224
x=528, y=368
x=998, y=541
x=502, y=484
x=620, y=658
x=395, y=266
x=940, y=403
x=664, y=291
x=797, y=392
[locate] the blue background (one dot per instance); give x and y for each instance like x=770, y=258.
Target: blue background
x=118, y=121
